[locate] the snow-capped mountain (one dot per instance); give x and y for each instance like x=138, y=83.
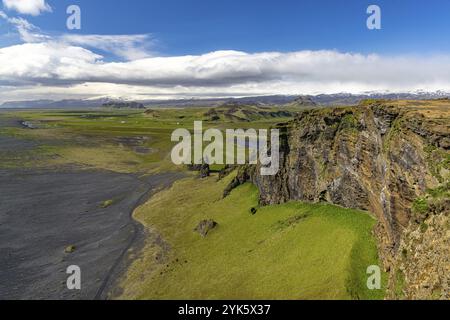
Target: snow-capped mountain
x=320, y=99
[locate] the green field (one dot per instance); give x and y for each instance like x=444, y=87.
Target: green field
x=291, y=251
x=106, y=139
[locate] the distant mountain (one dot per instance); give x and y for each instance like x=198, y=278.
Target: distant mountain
x=352, y=99
x=124, y=105
x=338, y=99
x=111, y=102
x=26, y=104
x=214, y=102
x=52, y=104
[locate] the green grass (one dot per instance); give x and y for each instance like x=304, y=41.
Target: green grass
x=422, y=205
x=106, y=204
x=290, y=251
x=349, y=122
x=438, y=162
x=399, y=284
x=89, y=138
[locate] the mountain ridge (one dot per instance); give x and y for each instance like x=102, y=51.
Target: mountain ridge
x=337, y=99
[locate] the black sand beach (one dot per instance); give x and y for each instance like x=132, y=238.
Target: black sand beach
x=41, y=213
x=44, y=211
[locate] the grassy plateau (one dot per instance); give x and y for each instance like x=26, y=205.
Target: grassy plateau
x=290, y=251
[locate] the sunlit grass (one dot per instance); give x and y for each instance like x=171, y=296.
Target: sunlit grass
x=269, y=255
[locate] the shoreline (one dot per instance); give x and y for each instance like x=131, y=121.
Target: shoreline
x=110, y=287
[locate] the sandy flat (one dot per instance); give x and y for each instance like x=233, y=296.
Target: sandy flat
x=43, y=212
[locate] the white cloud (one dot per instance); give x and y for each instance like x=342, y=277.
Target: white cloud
x=54, y=61
x=43, y=62
x=26, y=30
x=128, y=47
x=31, y=7
x=41, y=68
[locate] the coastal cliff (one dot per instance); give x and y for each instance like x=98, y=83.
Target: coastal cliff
x=389, y=158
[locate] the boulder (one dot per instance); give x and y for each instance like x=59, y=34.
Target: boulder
x=70, y=249
x=205, y=226
x=203, y=169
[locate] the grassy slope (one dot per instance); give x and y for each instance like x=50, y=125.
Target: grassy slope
x=265, y=256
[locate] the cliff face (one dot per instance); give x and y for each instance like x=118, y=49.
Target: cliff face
x=379, y=157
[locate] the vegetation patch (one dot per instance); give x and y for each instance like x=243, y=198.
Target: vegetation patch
x=322, y=253
x=420, y=206
x=349, y=122
x=438, y=161
x=106, y=204
x=70, y=249
x=399, y=284
x=291, y=221
x=424, y=206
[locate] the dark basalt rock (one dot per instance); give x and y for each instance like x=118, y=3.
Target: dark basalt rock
x=226, y=171
x=371, y=157
x=242, y=177
x=203, y=169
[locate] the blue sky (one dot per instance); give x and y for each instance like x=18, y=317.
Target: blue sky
x=144, y=49
x=198, y=26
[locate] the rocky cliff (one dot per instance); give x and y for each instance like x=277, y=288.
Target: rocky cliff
x=383, y=157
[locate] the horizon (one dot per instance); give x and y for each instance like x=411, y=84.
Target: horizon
x=419, y=94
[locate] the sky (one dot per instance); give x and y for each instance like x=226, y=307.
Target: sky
x=153, y=49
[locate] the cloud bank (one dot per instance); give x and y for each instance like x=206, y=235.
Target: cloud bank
x=55, y=62
x=31, y=7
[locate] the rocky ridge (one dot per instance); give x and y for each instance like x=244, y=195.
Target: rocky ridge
x=380, y=156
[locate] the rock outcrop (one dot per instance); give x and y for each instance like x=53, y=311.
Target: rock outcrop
x=379, y=156
x=203, y=169
x=205, y=226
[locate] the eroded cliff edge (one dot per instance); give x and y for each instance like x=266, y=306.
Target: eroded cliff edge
x=389, y=158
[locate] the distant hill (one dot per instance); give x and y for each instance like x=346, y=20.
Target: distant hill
x=124, y=105
x=338, y=99
x=55, y=104
x=217, y=102
x=236, y=112
x=303, y=101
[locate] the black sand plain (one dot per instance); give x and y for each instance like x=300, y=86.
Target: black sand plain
x=42, y=212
